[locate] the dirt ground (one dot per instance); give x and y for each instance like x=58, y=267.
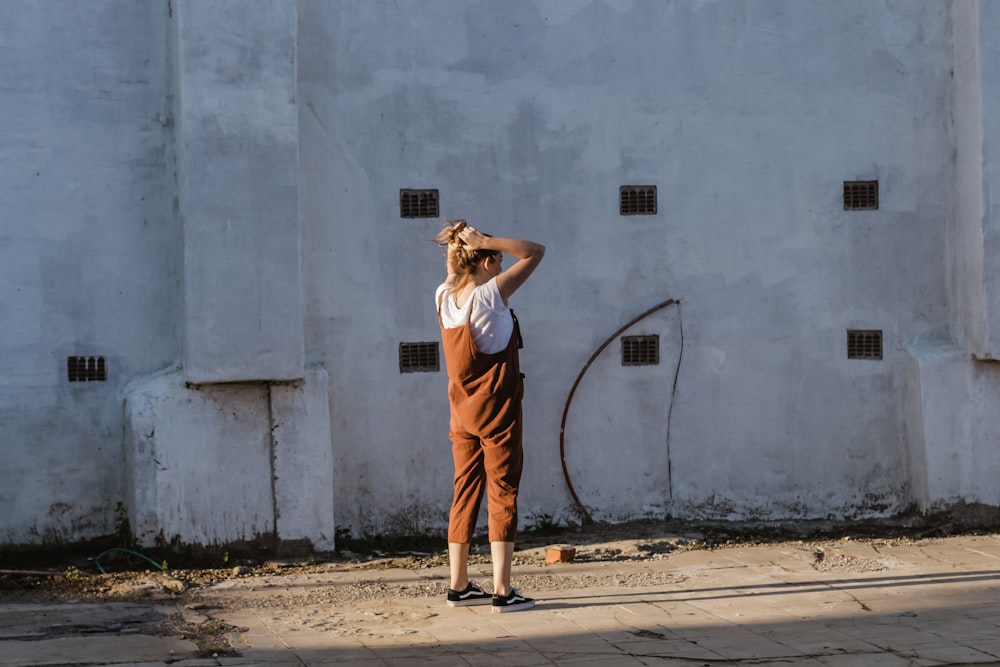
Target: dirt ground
x=207, y=588
x=129, y=578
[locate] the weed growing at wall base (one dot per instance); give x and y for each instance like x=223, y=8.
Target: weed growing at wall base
x=543, y=524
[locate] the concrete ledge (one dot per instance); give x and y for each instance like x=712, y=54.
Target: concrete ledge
x=303, y=460
x=953, y=422
x=228, y=463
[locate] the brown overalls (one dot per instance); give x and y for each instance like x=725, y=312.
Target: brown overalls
x=485, y=392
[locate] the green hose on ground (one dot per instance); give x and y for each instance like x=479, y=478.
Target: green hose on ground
x=97, y=561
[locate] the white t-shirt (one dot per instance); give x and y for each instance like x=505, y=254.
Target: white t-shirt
x=491, y=322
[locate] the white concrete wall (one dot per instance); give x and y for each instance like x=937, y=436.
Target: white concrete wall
x=955, y=447
x=89, y=256
x=237, y=174
x=528, y=117
x=212, y=191
x=220, y=453
x=965, y=257
x=989, y=63
x=225, y=463
x=634, y=475
x=956, y=383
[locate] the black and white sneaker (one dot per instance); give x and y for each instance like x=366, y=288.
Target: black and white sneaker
x=473, y=594
x=513, y=601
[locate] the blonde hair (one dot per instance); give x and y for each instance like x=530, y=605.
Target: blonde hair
x=462, y=258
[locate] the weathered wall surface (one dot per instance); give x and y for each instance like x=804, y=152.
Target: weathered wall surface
x=90, y=257
x=956, y=383
x=237, y=166
x=233, y=451
x=989, y=65
x=954, y=442
x=748, y=117
x=207, y=192
x=966, y=239
x=232, y=462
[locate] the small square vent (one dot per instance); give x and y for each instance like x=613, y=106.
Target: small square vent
x=418, y=203
x=640, y=350
x=637, y=199
x=864, y=344
x=86, y=369
x=419, y=358
x=860, y=195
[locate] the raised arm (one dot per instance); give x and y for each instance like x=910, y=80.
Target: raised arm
x=528, y=253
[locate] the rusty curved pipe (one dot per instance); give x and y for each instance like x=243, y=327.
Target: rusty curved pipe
x=584, y=514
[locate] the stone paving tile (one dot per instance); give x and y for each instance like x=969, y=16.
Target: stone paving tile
x=626, y=631
x=434, y=661
x=266, y=660
x=533, y=623
x=817, y=639
x=925, y=558
x=864, y=660
x=657, y=661
x=962, y=629
x=562, y=647
x=418, y=655
x=989, y=552
x=808, y=609
x=674, y=649
x=341, y=653
x=883, y=631
x=963, y=552
x=951, y=652
x=735, y=643
x=278, y=659
x=739, y=610
x=462, y=631
x=94, y=650
x=598, y=661
x=394, y=640
x=987, y=646
x=504, y=657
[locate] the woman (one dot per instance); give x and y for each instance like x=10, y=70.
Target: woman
x=481, y=339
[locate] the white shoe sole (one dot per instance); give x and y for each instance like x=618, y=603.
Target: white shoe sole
x=469, y=603
x=521, y=606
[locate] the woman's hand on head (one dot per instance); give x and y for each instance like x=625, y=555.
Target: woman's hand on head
x=473, y=238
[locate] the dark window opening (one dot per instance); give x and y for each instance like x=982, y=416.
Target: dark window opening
x=637, y=199
x=418, y=203
x=860, y=195
x=419, y=358
x=86, y=369
x=864, y=344
x=640, y=350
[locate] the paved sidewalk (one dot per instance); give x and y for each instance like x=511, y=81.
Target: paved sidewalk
x=936, y=602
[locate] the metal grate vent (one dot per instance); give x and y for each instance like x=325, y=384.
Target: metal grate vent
x=419, y=358
x=86, y=369
x=860, y=195
x=637, y=199
x=418, y=203
x=865, y=344
x=640, y=350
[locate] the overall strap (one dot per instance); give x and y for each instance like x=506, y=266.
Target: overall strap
x=517, y=330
